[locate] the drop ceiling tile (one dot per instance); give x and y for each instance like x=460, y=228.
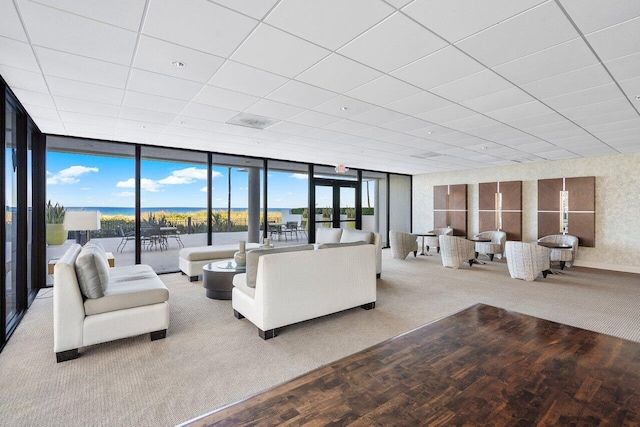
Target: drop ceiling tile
x=454, y=21
x=338, y=74
x=146, y=115
x=54, y=127
x=554, y=131
x=188, y=122
x=203, y=25
x=234, y=129
x=393, y=43
x=144, y=128
x=373, y=132
x=161, y=85
x=487, y=132
x=616, y=41
x=223, y=98
x=573, y=81
x=627, y=114
x=447, y=114
x=38, y=99
x=443, y=66
x=594, y=15
x=559, y=155
x=272, y=109
x=589, y=110
x=86, y=91
x=86, y=107
x=75, y=34
x=347, y=126
x=88, y=119
x=403, y=139
x=255, y=8
x=121, y=13
x=80, y=68
x=331, y=23
x=186, y=132
x=10, y=24
x=157, y=56
x=378, y=116
x=431, y=131
x=291, y=128
x=21, y=79
x=472, y=122
x=538, y=28
x=42, y=112
x=625, y=67
x=208, y=112
x=632, y=124
x=631, y=87
x=516, y=112
x=559, y=59
x=418, y=103
x=407, y=125
x=270, y=49
x=153, y=102
x=383, y=90
x=473, y=86
x=79, y=129
x=324, y=135
x=399, y=3
x=18, y=54
x=543, y=119
x=504, y=99
x=314, y=119
x=537, y=147
x=335, y=107
x=270, y=135
x=596, y=151
x=301, y=94
x=589, y=96
x=242, y=78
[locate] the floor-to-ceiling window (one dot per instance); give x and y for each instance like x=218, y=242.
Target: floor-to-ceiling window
x=288, y=196
x=400, y=203
x=374, y=203
x=173, y=201
x=336, y=197
x=11, y=213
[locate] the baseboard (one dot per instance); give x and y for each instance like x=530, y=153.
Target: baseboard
x=608, y=266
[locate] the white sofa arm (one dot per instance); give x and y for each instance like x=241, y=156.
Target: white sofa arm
x=68, y=307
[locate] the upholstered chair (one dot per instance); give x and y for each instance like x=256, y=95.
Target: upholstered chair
x=564, y=256
x=527, y=260
x=495, y=246
x=432, y=241
x=402, y=244
x=456, y=250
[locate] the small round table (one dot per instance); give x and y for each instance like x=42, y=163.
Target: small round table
x=217, y=278
x=424, y=235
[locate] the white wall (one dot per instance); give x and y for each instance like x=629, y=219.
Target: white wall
x=617, y=203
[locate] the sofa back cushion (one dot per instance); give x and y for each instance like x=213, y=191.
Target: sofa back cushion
x=349, y=235
x=328, y=235
x=254, y=255
x=92, y=271
x=340, y=245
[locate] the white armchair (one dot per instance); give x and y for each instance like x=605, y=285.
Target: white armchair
x=527, y=260
x=564, y=256
x=495, y=246
x=402, y=244
x=456, y=250
x=432, y=241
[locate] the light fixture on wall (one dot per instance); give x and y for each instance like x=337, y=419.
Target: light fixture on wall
x=82, y=222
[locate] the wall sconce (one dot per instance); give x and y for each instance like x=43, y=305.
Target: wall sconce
x=564, y=211
x=498, y=205
x=82, y=222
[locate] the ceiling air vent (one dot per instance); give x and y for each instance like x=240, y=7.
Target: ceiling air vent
x=428, y=155
x=252, y=121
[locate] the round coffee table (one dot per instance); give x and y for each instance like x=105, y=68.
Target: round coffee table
x=217, y=278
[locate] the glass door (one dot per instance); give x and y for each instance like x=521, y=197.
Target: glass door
x=335, y=203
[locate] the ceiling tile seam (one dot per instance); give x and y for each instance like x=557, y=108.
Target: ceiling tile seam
x=35, y=55
x=596, y=54
x=244, y=14
x=80, y=16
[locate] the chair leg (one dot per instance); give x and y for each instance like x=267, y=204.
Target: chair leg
x=427, y=248
x=491, y=257
x=63, y=356
x=476, y=255
x=268, y=334
x=562, y=264
x=237, y=314
x=438, y=249
x=415, y=254
x=158, y=335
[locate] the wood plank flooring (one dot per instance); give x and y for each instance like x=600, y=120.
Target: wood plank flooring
x=481, y=366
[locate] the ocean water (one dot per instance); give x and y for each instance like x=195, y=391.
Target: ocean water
x=110, y=210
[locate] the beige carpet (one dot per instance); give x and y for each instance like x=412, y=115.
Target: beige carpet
x=210, y=359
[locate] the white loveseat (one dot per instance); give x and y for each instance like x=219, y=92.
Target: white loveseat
x=191, y=260
x=346, y=235
x=133, y=301
x=301, y=284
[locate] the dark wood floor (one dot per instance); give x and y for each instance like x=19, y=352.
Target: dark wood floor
x=482, y=366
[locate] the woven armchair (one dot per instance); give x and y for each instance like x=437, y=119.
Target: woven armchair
x=564, y=256
x=527, y=260
x=432, y=241
x=495, y=246
x=402, y=244
x=456, y=250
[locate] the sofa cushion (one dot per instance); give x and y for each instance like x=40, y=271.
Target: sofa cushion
x=254, y=255
x=92, y=271
x=328, y=235
x=349, y=235
x=96, y=244
x=129, y=287
x=202, y=253
x=340, y=245
x=240, y=282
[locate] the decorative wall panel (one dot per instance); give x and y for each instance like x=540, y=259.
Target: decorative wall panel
x=567, y=206
x=500, y=206
x=450, y=208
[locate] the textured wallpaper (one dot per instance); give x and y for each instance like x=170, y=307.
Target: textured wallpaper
x=617, y=203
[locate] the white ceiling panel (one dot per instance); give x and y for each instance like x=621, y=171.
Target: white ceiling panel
x=208, y=112
x=153, y=102
x=242, y=78
x=473, y=86
x=86, y=107
x=625, y=67
x=521, y=111
x=600, y=108
x=626, y=114
x=501, y=100
x=393, y=43
x=121, y=13
x=447, y=114
x=536, y=29
x=594, y=15
x=161, y=85
x=631, y=87
x=80, y=68
x=374, y=132
x=75, y=34
x=10, y=25
x=157, y=56
x=419, y=103
x=573, y=81
x=223, y=98
x=270, y=49
x=148, y=116
x=330, y=23
x=37, y=99
x=291, y=128
x=301, y=94
x=347, y=126
x=378, y=116
x=86, y=91
x=202, y=25
x=441, y=67
x=344, y=107
x=529, y=122
x=274, y=110
x=87, y=119
x=583, y=97
x=18, y=54
x=20, y=79
x=314, y=119
x=616, y=41
x=383, y=90
x=44, y=113
x=460, y=19
x=255, y=8
x=338, y=74
x=407, y=125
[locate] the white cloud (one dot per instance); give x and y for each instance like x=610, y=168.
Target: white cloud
x=85, y=189
x=125, y=194
x=69, y=175
x=145, y=184
x=300, y=176
x=204, y=189
x=186, y=176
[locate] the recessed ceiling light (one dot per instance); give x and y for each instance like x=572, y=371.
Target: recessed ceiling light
x=484, y=148
x=637, y=97
x=178, y=64
x=344, y=108
x=143, y=126
x=429, y=133
x=183, y=123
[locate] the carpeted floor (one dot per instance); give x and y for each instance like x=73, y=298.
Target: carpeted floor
x=210, y=359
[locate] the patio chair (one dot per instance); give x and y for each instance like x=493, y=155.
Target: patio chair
x=173, y=233
x=276, y=229
x=130, y=235
x=291, y=227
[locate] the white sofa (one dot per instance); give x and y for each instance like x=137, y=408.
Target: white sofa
x=133, y=302
x=191, y=260
x=346, y=235
x=296, y=285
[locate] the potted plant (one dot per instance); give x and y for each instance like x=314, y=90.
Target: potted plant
x=54, y=217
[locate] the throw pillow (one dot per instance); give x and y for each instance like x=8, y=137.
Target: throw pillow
x=92, y=271
x=349, y=235
x=341, y=245
x=96, y=244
